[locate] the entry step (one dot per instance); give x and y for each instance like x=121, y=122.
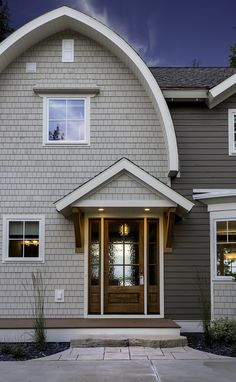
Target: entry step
x=120, y=341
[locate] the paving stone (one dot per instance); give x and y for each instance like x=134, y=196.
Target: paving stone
x=92, y=357
x=190, y=355
x=114, y=356
x=116, y=350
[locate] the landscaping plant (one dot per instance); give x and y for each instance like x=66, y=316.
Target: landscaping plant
x=39, y=289
x=223, y=330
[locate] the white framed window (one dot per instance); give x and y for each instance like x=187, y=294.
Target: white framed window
x=223, y=242
x=67, y=50
x=66, y=120
x=232, y=131
x=23, y=238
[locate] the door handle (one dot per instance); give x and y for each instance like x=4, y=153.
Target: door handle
x=141, y=280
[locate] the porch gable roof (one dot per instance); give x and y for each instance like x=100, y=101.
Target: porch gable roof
x=123, y=165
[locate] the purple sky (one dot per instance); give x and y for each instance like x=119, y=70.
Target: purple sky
x=164, y=32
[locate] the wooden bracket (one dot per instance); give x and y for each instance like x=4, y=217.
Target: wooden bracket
x=78, y=219
x=169, y=229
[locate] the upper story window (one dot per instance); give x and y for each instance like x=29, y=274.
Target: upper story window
x=232, y=131
x=67, y=121
x=225, y=235
x=67, y=50
x=23, y=238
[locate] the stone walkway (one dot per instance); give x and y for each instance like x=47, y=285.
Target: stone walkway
x=130, y=353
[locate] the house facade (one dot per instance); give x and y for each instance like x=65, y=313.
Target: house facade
x=117, y=183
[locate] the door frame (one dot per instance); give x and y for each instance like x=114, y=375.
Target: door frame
x=104, y=216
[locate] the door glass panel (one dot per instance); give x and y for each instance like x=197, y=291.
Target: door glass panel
x=94, y=266
x=131, y=275
x=152, y=275
x=116, y=276
x=115, y=253
x=152, y=253
x=131, y=253
x=94, y=253
x=115, y=232
x=131, y=232
x=95, y=275
x=153, y=267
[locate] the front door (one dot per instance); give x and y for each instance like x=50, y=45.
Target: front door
x=123, y=267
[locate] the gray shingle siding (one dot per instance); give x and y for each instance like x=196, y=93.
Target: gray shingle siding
x=33, y=177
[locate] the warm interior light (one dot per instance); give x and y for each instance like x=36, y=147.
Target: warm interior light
x=230, y=256
x=146, y=209
x=124, y=230
x=31, y=242
x=100, y=209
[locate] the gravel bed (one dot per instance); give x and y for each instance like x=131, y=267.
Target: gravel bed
x=26, y=350
x=196, y=341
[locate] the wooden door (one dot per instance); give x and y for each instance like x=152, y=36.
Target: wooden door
x=123, y=267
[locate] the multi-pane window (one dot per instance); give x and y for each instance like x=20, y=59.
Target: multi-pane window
x=232, y=131
x=66, y=120
x=226, y=247
x=23, y=239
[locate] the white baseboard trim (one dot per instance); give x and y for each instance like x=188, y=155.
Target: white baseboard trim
x=65, y=335
x=190, y=326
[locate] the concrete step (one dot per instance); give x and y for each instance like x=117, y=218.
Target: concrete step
x=120, y=341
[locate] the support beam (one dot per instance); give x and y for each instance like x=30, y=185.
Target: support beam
x=169, y=229
x=78, y=219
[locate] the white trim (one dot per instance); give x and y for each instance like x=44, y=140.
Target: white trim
x=67, y=18
x=65, y=49
x=65, y=335
x=136, y=171
x=46, y=141
x=190, y=326
x=124, y=203
x=6, y=220
x=190, y=94
x=206, y=190
x=231, y=139
x=222, y=91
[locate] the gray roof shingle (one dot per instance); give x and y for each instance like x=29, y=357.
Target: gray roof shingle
x=191, y=77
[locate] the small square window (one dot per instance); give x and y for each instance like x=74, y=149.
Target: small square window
x=23, y=238
x=31, y=67
x=67, y=121
x=232, y=131
x=225, y=247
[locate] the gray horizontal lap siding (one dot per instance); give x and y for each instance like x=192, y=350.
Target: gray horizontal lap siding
x=202, y=138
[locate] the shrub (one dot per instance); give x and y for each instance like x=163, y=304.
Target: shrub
x=40, y=335
x=224, y=330
x=19, y=352
x=7, y=349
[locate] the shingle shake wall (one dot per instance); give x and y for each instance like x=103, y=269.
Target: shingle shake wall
x=32, y=176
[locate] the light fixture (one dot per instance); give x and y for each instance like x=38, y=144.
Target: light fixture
x=124, y=230
x=146, y=209
x=230, y=256
x=100, y=209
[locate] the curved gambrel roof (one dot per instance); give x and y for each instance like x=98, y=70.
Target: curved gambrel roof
x=68, y=18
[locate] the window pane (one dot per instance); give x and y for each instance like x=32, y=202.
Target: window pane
x=57, y=130
x=226, y=259
x=95, y=231
x=131, y=232
x=115, y=234
x=75, y=131
x=131, y=253
x=95, y=275
x=232, y=231
x=15, y=248
x=31, y=248
x=152, y=231
x=152, y=253
x=152, y=275
x=115, y=253
x=221, y=231
x=131, y=275
x=75, y=109
x=116, y=275
x=31, y=230
x=94, y=253
x=16, y=230
x=57, y=109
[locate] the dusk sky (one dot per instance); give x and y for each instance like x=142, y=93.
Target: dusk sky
x=163, y=32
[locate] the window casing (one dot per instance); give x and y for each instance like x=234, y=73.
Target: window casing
x=225, y=247
x=66, y=120
x=23, y=238
x=232, y=131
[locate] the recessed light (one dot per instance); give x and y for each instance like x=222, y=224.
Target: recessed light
x=100, y=209
x=146, y=209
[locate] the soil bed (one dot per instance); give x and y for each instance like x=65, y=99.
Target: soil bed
x=196, y=341
x=26, y=350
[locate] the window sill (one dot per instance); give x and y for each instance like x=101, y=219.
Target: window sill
x=68, y=144
x=9, y=261
x=227, y=279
